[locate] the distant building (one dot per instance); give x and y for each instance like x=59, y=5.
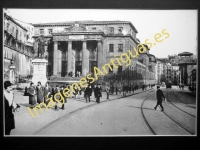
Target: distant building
x=187, y=66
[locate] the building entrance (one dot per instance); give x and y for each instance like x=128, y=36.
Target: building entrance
x=78, y=68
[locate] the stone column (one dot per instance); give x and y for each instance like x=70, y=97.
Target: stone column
x=69, y=56
x=99, y=55
x=85, y=59
x=55, y=58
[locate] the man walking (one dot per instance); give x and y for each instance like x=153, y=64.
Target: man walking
x=98, y=90
x=88, y=93
x=159, y=95
x=107, y=91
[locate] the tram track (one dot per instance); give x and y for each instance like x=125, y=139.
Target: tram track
x=177, y=106
x=183, y=126
x=181, y=100
x=144, y=118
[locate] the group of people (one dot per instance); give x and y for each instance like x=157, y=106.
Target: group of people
x=97, y=92
x=181, y=86
x=39, y=94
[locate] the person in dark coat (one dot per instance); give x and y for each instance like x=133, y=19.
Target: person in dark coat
x=9, y=106
x=116, y=88
x=95, y=91
x=143, y=87
x=159, y=95
x=98, y=93
x=32, y=93
x=47, y=93
x=88, y=93
x=124, y=90
x=40, y=93
x=61, y=91
x=56, y=90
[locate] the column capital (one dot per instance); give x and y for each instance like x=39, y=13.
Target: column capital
x=55, y=42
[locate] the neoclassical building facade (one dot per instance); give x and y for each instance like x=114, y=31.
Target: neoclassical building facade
x=79, y=46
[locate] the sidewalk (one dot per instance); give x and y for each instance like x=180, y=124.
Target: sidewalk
x=186, y=90
x=25, y=124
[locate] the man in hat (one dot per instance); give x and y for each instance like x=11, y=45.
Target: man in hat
x=159, y=95
x=88, y=93
x=98, y=93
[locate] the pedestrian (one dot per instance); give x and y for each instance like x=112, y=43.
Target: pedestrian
x=80, y=92
x=64, y=95
x=9, y=106
x=61, y=92
x=133, y=88
x=107, y=91
x=88, y=93
x=116, y=88
x=143, y=86
x=76, y=91
x=182, y=86
x=32, y=93
x=124, y=90
x=159, y=95
x=47, y=92
x=26, y=91
x=40, y=93
x=95, y=91
x=56, y=90
x=98, y=93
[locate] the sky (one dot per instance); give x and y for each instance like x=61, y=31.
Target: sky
x=181, y=25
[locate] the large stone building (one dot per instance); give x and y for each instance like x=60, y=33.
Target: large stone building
x=17, y=53
x=79, y=46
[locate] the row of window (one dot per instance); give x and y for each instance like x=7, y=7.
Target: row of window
x=111, y=30
x=49, y=31
x=111, y=47
x=19, y=47
x=18, y=34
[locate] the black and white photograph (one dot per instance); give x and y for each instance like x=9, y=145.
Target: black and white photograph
x=100, y=72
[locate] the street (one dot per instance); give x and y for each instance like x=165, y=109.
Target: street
x=133, y=115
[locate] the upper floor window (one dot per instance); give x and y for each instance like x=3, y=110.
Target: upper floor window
x=42, y=31
x=111, y=48
x=94, y=28
x=120, y=47
x=50, y=31
x=120, y=29
x=111, y=30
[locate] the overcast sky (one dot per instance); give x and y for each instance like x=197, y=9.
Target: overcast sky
x=180, y=24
